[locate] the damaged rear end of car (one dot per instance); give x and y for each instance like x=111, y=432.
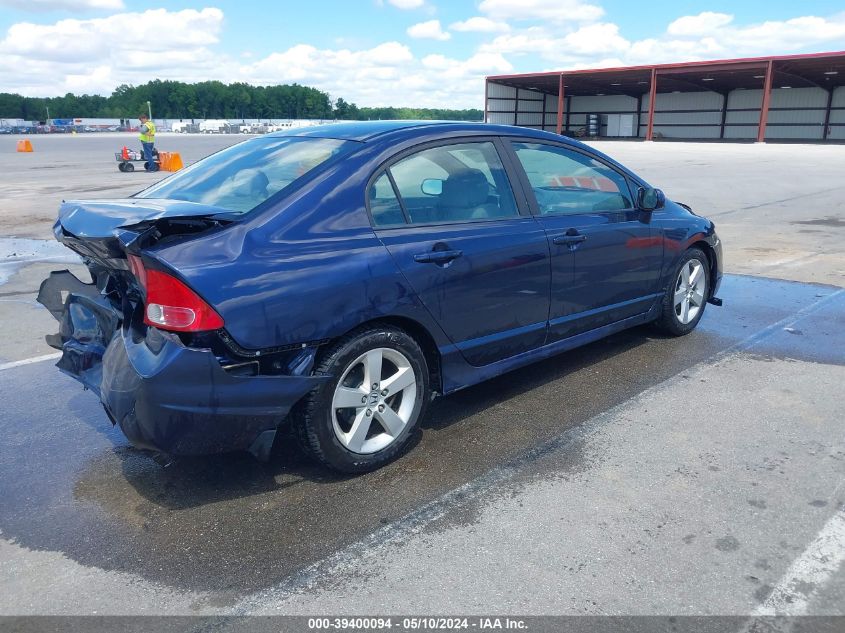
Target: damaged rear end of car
x=153, y=350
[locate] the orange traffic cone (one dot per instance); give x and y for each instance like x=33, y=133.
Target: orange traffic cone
x=124, y=154
x=24, y=145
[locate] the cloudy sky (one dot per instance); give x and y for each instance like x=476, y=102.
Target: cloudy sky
x=384, y=52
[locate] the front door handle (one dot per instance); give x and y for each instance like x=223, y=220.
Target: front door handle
x=569, y=239
x=437, y=257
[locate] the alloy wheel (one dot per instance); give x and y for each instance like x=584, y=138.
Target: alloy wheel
x=374, y=400
x=689, y=291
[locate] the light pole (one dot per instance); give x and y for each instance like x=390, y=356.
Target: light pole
x=149, y=111
x=48, y=112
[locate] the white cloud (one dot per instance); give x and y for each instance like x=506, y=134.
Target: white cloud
x=407, y=4
x=590, y=41
x=784, y=36
x=551, y=10
x=701, y=24
x=689, y=38
x=97, y=54
x=101, y=38
x=62, y=5
x=94, y=56
x=479, y=24
x=428, y=30
x=709, y=35
x=595, y=39
x=388, y=74
x=479, y=64
x=664, y=51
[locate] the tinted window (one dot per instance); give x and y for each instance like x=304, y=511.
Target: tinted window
x=384, y=205
x=568, y=182
x=243, y=176
x=454, y=183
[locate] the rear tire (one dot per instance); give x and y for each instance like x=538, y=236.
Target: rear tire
x=365, y=416
x=686, y=296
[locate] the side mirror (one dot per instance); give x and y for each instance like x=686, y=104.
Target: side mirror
x=649, y=199
x=432, y=187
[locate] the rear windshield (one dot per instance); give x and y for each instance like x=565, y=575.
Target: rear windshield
x=243, y=176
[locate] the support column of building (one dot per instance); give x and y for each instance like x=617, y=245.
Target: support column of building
x=826, y=129
x=639, y=113
x=543, y=114
x=764, y=107
x=566, y=125
x=652, y=97
x=559, y=125
x=724, y=118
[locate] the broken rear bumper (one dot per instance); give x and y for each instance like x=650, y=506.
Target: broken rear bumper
x=165, y=396
x=180, y=401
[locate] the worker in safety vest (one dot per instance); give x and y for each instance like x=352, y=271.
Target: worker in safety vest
x=147, y=136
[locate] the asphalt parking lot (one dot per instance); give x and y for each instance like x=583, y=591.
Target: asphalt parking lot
x=638, y=475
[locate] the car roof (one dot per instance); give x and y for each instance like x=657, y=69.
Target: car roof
x=364, y=131
x=393, y=132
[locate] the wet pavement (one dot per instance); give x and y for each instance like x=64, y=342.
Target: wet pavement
x=640, y=474
x=228, y=526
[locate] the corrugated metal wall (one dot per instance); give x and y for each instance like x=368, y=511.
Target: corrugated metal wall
x=684, y=115
x=837, y=117
x=580, y=107
x=796, y=113
x=743, y=115
x=518, y=106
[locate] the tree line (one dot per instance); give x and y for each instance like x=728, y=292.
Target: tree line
x=212, y=100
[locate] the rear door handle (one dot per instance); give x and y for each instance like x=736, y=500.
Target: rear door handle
x=569, y=239
x=437, y=257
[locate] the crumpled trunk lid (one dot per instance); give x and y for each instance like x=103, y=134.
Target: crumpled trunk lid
x=103, y=233
x=104, y=230
x=99, y=219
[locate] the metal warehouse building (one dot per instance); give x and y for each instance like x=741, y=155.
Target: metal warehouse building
x=796, y=97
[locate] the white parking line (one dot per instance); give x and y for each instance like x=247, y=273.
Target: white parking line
x=809, y=572
x=29, y=361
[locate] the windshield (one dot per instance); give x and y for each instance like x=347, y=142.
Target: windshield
x=243, y=176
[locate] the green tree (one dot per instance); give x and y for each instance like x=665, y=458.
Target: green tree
x=214, y=100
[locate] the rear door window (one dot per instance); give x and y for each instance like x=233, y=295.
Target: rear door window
x=384, y=205
x=449, y=183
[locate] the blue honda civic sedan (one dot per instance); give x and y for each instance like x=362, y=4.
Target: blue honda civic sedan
x=337, y=278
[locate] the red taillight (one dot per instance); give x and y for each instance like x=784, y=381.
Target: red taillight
x=170, y=304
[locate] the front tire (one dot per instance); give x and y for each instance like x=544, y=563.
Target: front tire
x=686, y=297
x=366, y=415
